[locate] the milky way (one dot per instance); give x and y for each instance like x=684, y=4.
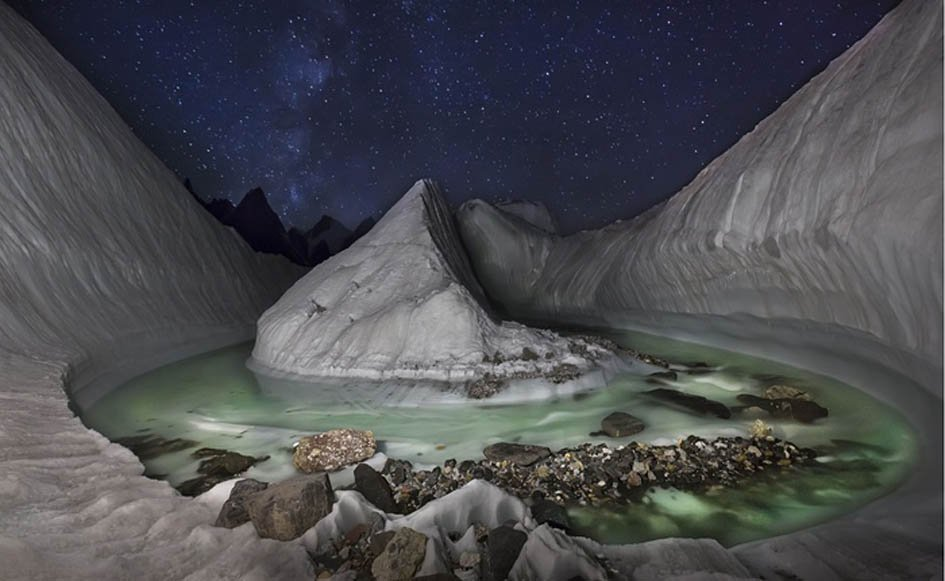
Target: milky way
x=600, y=109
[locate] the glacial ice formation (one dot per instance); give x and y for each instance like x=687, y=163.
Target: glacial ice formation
x=816, y=240
x=403, y=303
x=829, y=211
x=107, y=267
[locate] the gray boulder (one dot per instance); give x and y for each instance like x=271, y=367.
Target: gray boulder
x=620, y=424
x=502, y=549
x=233, y=513
x=402, y=557
x=286, y=510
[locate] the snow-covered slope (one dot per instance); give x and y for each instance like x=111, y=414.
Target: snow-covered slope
x=107, y=266
x=829, y=211
x=815, y=240
x=402, y=302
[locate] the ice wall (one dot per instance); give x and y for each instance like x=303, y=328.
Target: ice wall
x=829, y=211
x=107, y=266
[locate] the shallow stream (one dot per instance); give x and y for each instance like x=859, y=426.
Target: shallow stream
x=865, y=447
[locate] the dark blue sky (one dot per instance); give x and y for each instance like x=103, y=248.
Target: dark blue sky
x=600, y=109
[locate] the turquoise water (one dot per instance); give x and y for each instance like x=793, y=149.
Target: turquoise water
x=866, y=447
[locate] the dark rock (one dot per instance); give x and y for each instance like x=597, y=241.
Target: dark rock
x=546, y=512
x=529, y=355
x=799, y=409
x=226, y=464
x=695, y=403
x=380, y=540
x=669, y=375
x=286, y=510
x=374, y=487
x=199, y=485
x=402, y=557
x=149, y=446
x=781, y=391
x=521, y=454
x=807, y=411
x=502, y=549
x=356, y=533
x=233, y=513
x=699, y=368
x=620, y=424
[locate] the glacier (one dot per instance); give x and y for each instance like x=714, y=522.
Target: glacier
x=828, y=211
x=108, y=267
x=815, y=240
x=403, y=303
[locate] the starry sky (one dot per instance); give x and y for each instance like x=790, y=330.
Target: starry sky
x=600, y=109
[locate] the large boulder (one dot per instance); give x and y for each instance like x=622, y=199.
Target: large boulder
x=333, y=450
x=402, y=557
x=285, y=510
x=374, y=487
x=233, y=513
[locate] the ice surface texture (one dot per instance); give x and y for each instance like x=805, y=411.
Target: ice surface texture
x=107, y=265
x=830, y=210
x=401, y=302
x=815, y=240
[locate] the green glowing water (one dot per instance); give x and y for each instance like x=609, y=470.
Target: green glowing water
x=866, y=448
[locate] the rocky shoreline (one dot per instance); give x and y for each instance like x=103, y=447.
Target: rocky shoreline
x=547, y=482
x=598, y=474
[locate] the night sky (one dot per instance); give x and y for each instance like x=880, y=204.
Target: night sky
x=600, y=109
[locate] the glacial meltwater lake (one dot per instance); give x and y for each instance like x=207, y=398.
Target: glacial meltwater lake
x=865, y=448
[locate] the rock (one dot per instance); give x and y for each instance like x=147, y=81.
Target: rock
x=223, y=462
x=398, y=470
x=801, y=410
x=521, y=454
x=696, y=403
x=402, y=557
x=529, y=355
x=669, y=375
x=333, y=450
x=502, y=549
x=356, y=532
x=380, y=540
x=286, y=510
x=699, y=368
x=149, y=446
x=546, y=512
x=469, y=560
x=485, y=387
x=233, y=513
x=786, y=392
x=563, y=372
x=217, y=466
x=807, y=411
x=374, y=487
x=759, y=429
x=620, y=424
